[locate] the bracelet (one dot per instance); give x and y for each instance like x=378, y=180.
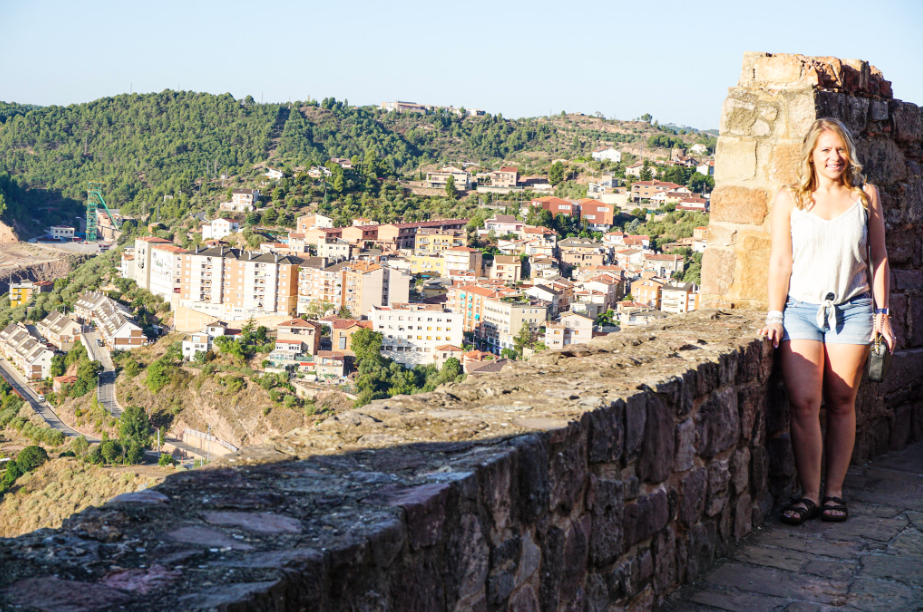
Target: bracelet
x=773, y=317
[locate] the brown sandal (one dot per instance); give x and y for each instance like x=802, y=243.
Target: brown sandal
x=838, y=505
x=807, y=513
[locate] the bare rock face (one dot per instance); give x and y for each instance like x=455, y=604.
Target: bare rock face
x=7, y=234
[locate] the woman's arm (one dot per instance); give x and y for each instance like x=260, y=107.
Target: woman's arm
x=780, y=260
x=881, y=269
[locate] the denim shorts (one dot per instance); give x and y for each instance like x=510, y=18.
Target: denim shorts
x=854, y=322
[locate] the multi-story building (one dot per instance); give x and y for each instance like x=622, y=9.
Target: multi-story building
x=22, y=292
x=219, y=228
x=59, y=330
x=429, y=265
x=357, y=285
x=234, y=284
x=507, y=268
x=504, y=318
x=360, y=235
x=342, y=330
x=556, y=206
x=242, y=200
x=573, y=328
x=645, y=190
x=296, y=340
x=582, y=252
x=27, y=354
x=142, y=259
x=166, y=270
x=309, y=222
x=679, y=298
x=61, y=232
x=664, y=265
x=429, y=241
x=647, y=291
x=507, y=176
x=333, y=249
x=596, y=215
x=439, y=178
x=412, y=332
x=113, y=320
x=607, y=153
x=196, y=343
x=502, y=225
x=403, y=235
x=462, y=259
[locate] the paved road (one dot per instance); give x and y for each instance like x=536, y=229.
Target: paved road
x=872, y=562
x=105, y=390
x=43, y=409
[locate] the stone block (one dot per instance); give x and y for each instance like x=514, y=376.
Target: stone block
x=907, y=121
x=467, y=559
x=733, y=204
x=915, y=320
x=778, y=409
x=901, y=427
x=606, y=504
x=740, y=471
x=568, y=472
x=255, y=522
x=727, y=367
x=700, y=549
x=783, y=163
x=532, y=478
x=717, y=423
x=898, y=304
x=907, y=281
x=597, y=594
x=694, y=489
x=781, y=464
x=801, y=112
x=735, y=159
x=778, y=69
x=496, y=487
x=911, y=198
x=635, y=418
x=607, y=433
x=753, y=265
x=529, y=561
x=645, y=517
x=719, y=476
x=883, y=162
x=717, y=270
x=685, y=446
x=663, y=547
x=656, y=461
x=424, y=507
x=878, y=110
x=720, y=235
x=906, y=369
x=759, y=471
x=743, y=517
x=524, y=600
x=751, y=404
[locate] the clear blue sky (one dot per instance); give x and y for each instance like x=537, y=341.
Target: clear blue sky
x=674, y=60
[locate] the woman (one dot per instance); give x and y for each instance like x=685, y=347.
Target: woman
x=822, y=292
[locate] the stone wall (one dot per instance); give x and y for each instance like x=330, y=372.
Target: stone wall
x=606, y=475
x=763, y=122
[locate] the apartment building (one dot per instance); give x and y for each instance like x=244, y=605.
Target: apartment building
x=296, y=340
x=234, y=284
x=399, y=236
x=429, y=265
x=411, y=333
x=333, y=249
x=503, y=318
x=664, y=265
x=357, y=285
x=320, y=283
x=142, y=258
x=59, y=330
x=507, y=176
x=462, y=259
x=502, y=225
x=679, y=298
x=645, y=190
x=309, y=222
x=582, y=252
x=342, y=330
x=573, y=328
x=166, y=270
x=647, y=291
x=429, y=241
x=22, y=292
x=360, y=235
x=507, y=268
x=27, y=354
x=556, y=206
x=113, y=321
x=438, y=179
x=219, y=228
x=242, y=200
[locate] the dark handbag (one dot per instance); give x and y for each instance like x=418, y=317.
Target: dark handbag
x=879, y=360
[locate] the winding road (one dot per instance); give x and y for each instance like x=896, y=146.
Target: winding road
x=43, y=409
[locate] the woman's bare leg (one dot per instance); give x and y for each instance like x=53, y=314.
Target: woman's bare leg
x=803, y=370
x=842, y=374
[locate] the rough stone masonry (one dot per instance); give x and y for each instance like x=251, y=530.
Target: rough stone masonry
x=596, y=478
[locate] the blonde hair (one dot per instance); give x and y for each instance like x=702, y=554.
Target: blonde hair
x=807, y=176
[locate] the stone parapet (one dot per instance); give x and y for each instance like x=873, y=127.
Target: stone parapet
x=604, y=475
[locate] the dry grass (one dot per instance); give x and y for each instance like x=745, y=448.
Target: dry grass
x=62, y=487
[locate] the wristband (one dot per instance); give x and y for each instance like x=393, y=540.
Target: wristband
x=883, y=311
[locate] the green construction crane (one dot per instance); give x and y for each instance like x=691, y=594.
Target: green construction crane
x=94, y=201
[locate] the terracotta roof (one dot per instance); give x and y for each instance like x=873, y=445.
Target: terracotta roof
x=154, y=239
x=509, y=169
x=300, y=323
x=449, y=347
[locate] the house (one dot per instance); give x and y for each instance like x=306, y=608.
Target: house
x=446, y=352
x=707, y=168
x=507, y=176
x=309, y=222
x=58, y=382
x=333, y=249
x=636, y=168
x=582, y=252
x=548, y=295
x=412, y=332
x=360, y=221
x=60, y=232
x=242, y=200
x=59, y=330
x=327, y=364
x=342, y=330
x=319, y=171
x=507, y=268
x=679, y=298
x=607, y=184
x=556, y=206
x=544, y=266
x=439, y=178
x=502, y=225
x=647, y=291
x=698, y=148
x=631, y=317
x=645, y=190
x=596, y=215
x=607, y=154
x=693, y=204
x=219, y=228
x=295, y=339
x=663, y=265
x=196, y=343
x=117, y=328
x=274, y=174
x=342, y=162
x=403, y=107
x=573, y=328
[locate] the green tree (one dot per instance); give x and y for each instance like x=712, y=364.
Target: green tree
x=556, y=174
x=450, y=187
x=524, y=338
x=110, y=450
x=344, y=313
x=80, y=445
x=135, y=426
x=30, y=458
x=366, y=345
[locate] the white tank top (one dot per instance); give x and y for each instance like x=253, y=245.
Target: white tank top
x=829, y=257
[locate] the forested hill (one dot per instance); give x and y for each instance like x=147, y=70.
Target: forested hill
x=144, y=146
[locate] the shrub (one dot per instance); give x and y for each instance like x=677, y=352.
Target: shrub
x=290, y=401
x=234, y=384
x=95, y=455
x=31, y=457
x=132, y=369
x=135, y=452
x=110, y=450
x=165, y=460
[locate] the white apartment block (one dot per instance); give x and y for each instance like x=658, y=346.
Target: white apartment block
x=412, y=332
x=503, y=318
x=333, y=249
x=166, y=270
x=679, y=298
x=30, y=356
x=196, y=343
x=219, y=228
x=573, y=328
x=142, y=259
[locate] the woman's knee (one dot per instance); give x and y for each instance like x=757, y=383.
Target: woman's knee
x=804, y=407
x=840, y=407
